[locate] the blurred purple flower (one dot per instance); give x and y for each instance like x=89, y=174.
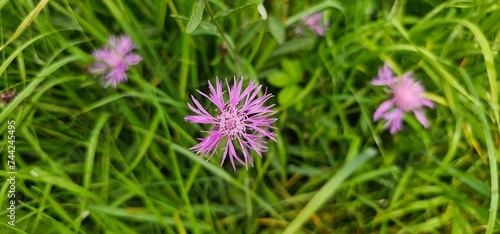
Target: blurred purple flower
x=313, y=22
x=242, y=118
x=406, y=97
x=113, y=60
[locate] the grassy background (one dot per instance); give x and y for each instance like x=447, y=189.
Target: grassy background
x=94, y=160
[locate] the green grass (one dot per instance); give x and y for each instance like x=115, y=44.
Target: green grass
x=96, y=160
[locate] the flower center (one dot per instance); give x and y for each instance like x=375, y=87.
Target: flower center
x=231, y=123
x=407, y=96
x=115, y=59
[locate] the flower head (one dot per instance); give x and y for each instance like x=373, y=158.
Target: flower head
x=113, y=60
x=406, y=97
x=241, y=119
x=313, y=22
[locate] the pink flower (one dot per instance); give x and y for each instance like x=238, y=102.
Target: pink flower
x=313, y=22
x=113, y=60
x=406, y=97
x=241, y=119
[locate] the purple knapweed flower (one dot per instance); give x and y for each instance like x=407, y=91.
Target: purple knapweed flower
x=241, y=119
x=406, y=97
x=113, y=60
x=313, y=22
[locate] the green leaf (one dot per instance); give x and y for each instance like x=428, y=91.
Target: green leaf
x=262, y=11
x=198, y=8
x=279, y=79
x=287, y=94
x=293, y=68
x=299, y=106
x=248, y=35
x=276, y=28
x=203, y=24
x=293, y=46
x=234, y=10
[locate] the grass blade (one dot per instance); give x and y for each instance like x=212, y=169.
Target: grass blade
x=328, y=190
x=26, y=22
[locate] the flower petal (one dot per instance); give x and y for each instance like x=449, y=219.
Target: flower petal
x=421, y=118
x=232, y=154
x=234, y=92
x=385, y=76
x=199, y=106
x=246, y=155
x=427, y=102
x=394, y=121
x=312, y=19
x=132, y=59
x=216, y=95
x=384, y=107
x=121, y=44
x=98, y=68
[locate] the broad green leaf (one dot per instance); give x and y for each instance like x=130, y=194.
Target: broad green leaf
x=292, y=68
x=287, y=94
x=203, y=24
x=195, y=20
x=234, y=10
x=293, y=46
x=248, y=35
x=262, y=11
x=279, y=79
x=299, y=106
x=276, y=28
